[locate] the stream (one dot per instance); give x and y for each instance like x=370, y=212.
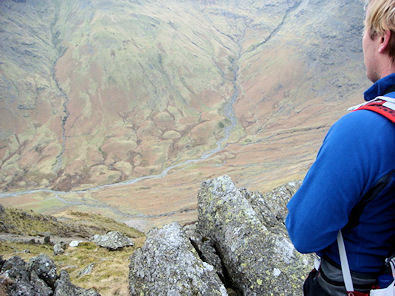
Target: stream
x=228, y=112
x=220, y=145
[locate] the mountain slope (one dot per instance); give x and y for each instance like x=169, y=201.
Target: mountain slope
x=124, y=107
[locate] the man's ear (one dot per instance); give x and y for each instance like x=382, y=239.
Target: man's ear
x=384, y=41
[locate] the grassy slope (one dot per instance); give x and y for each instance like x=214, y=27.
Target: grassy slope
x=29, y=101
x=110, y=271
x=295, y=86
x=143, y=87
x=144, y=90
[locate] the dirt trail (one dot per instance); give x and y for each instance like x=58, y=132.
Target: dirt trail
x=27, y=239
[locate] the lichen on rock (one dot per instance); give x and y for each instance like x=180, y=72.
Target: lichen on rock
x=37, y=278
x=258, y=256
x=113, y=240
x=168, y=264
x=239, y=246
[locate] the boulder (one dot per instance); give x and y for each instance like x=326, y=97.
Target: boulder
x=15, y=272
x=16, y=275
x=239, y=243
x=168, y=264
x=251, y=240
x=59, y=248
x=44, y=268
x=38, y=278
x=113, y=240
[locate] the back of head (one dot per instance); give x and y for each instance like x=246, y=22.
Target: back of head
x=380, y=17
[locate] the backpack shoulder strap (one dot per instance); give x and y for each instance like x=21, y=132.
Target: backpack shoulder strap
x=385, y=106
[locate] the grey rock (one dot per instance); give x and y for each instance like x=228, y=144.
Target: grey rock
x=64, y=287
x=256, y=253
x=207, y=253
x=240, y=235
x=190, y=230
x=167, y=264
x=271, y=207
x=47, y=239
x=38, y=278
x=113, y=240
x=205, y=248
x=87, y=270
x=16, y=269
x=16, y=278
x=45, y=269
x=21, y=289
x=39, y=285
x=59, y=248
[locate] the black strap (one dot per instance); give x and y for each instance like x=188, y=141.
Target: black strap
x=370, y=195
x=354, y=275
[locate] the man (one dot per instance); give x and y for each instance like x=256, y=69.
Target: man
x=356, y=160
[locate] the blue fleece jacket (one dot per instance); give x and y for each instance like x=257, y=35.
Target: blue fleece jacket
x=358, y=150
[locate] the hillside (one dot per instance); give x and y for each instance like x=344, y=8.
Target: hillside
x=109, y=272
x=123, y=107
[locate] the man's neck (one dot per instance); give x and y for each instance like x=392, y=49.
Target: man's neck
x=387, y=68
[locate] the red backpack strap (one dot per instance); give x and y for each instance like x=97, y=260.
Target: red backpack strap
x=382, y=105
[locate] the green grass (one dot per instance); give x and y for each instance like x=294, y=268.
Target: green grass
x=75, y=224
x=110, y=272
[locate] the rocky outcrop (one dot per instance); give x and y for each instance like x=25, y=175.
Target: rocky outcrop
x=248, y=233
x=168, y=264
x=44, y=268
x=239, y=234
x=37, y=278
x=113, y=240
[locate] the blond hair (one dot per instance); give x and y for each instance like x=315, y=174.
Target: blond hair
x=380, y=17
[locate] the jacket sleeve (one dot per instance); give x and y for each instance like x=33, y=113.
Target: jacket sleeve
x=333, y=185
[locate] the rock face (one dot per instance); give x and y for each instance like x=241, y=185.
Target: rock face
x=44, y=268
x=113, y=240
x=37, y=278
x=240, y=234
x=168, y=264
x=251, y=240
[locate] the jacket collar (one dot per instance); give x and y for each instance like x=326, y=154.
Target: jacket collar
x=381, y=87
